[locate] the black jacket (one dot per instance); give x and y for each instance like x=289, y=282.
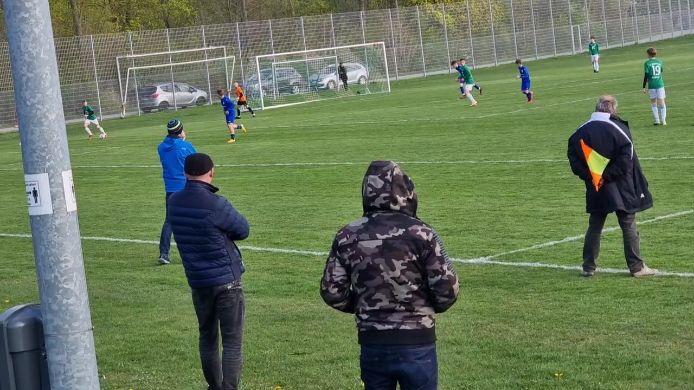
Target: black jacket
x=205, y=226
x=624, y=186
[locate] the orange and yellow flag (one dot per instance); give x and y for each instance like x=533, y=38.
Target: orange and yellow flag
x=596, y=164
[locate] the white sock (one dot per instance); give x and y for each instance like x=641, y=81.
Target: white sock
x=597, y=66
x=663, y=112
x=101, y=129
x=654, y=108
x=88, y=131
x=470, y=98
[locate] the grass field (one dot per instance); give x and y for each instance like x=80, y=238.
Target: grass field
x=493, y=180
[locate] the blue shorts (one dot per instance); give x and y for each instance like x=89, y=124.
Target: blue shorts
x=525, y=84
x=231, y=118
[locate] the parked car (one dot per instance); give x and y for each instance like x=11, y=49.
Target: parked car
x=285, y=80
x=327, y=78
x=160, y=96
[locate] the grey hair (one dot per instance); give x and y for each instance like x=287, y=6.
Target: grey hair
x=606, y=103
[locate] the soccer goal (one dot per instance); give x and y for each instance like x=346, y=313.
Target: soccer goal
x=173, y=79
x=296, y=77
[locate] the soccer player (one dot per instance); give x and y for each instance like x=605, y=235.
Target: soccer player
x=524, y=75
x=229, y=107
x=90, y=119
x=653, y=76
x=594, y=50
x=466, y=81
x=463, y=62
x=241, y=100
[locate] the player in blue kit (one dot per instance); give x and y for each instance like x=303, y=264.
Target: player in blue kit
x=524, y=75
x=229, y=107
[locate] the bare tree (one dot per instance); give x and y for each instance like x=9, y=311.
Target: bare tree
x=76, y=22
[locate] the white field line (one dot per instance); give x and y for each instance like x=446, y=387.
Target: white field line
x=366, y=163
x=572, y=238
x=489, y=260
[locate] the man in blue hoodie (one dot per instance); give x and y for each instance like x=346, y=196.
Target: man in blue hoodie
x=173, y=151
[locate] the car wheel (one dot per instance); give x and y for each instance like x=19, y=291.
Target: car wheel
x=331, y=84
x=201, y=100
x=362, y=80
x=295, y=89
x=163, y=106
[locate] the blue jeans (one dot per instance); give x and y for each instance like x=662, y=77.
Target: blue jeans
x=165, y=238
x=220, y=310
x=414, y=367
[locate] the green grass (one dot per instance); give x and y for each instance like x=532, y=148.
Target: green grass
x=513, y=327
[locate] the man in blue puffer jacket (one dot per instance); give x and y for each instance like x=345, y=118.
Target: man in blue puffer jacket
x=173, y=151
x=205, y=226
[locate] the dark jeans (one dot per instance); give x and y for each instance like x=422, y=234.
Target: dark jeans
x=220, y=307
x=630, y=236
x=165, y=238
x=414, y=367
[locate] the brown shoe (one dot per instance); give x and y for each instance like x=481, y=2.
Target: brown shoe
x=644, y=271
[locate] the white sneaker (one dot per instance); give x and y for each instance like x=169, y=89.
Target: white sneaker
x=644, y=271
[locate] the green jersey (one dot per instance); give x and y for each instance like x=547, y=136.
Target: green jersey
x=88, y=112
x=654, y=73
x=593, y=48
x=467, y=75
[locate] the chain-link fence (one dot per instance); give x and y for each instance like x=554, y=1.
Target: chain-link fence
x=419, y=41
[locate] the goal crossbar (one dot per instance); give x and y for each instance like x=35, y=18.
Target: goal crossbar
x=128, y=56
x=178, y=63
x=278, y=63
x=322, y=49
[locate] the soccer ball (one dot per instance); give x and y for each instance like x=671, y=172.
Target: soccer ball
x=102, y=136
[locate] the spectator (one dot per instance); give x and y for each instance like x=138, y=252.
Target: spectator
x=206, y=227
x=601, y=152
x=390, y=269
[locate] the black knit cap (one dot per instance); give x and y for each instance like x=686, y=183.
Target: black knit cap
x=174, y=127
x=198, y=164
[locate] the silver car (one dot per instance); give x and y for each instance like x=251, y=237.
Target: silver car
x=161, y=96
x=327, y=78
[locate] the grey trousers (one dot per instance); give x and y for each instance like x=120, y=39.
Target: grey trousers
x=630, y=236
x=220, y=308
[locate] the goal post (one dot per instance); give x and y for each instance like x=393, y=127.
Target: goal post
x=173, y=79
x=296, y=77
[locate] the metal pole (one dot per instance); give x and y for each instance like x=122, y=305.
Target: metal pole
x=274, y=78
x=571, y=27
x=679, y=13
x=260, y=84
x=621, y=23
x=513, y=23
x=587, y=22
x=395, y=48
x=173, y=81
x=532, y=20
x=421, y=43
x=650, y=22
x=672, y=21
x=445, y=33
x=660, y=16
x=636, y=22
x=554, y=34
x=238, y=39
x=363, y=37
x=604, y=20
x=67, y=324
x=469, y=32
x=207, y=65
x=308, y=70
x=385, y=59
x=332, y=30
x=491, y=20
x=689, y=15
x=96, y=78
x=132, y=62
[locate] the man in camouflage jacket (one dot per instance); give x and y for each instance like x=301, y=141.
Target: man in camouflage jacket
x=391, y=270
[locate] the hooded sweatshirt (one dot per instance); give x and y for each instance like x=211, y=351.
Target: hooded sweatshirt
x=389, y=268
x=173, y=151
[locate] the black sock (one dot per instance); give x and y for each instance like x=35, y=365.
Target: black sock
x=250, y=110
x=529, y=95
x=477, y=87
x=238, y=111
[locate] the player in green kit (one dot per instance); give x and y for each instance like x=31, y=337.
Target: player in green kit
x=90, y=119
x=466, y=80
x=653, y=76
x=594, y=50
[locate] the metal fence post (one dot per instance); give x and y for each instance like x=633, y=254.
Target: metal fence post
x=650, y=22
x=604, y=20
x=207, y=64
x=469, y=30
x=672, y=20
x=621, y=23
x=445, y=33
x=238, y=39
x=363, y=37
x=554, y=34
x=587, y=22
x=660, y=16
x=421, y=42
x=636, y=22
x=689, y=15
x=532, y=20
x=571, y=29
x=132, y=62
x=513, y=24
x=679, y=12
x=96, y=78
x=332, y=30
x=67, y=325
x=491, y=19
x=395, y=47
x=173, y=81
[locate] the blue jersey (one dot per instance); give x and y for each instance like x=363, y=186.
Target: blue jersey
x=524, y=73
x=459, y=68
x=229, y=107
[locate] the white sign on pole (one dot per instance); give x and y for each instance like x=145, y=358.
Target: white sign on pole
x=38, y=193
x=69, y=189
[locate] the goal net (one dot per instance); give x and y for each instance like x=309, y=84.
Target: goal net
x=173, y=79
x=283, y=79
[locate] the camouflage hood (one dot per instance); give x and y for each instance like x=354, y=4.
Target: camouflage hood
x=387, y=188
